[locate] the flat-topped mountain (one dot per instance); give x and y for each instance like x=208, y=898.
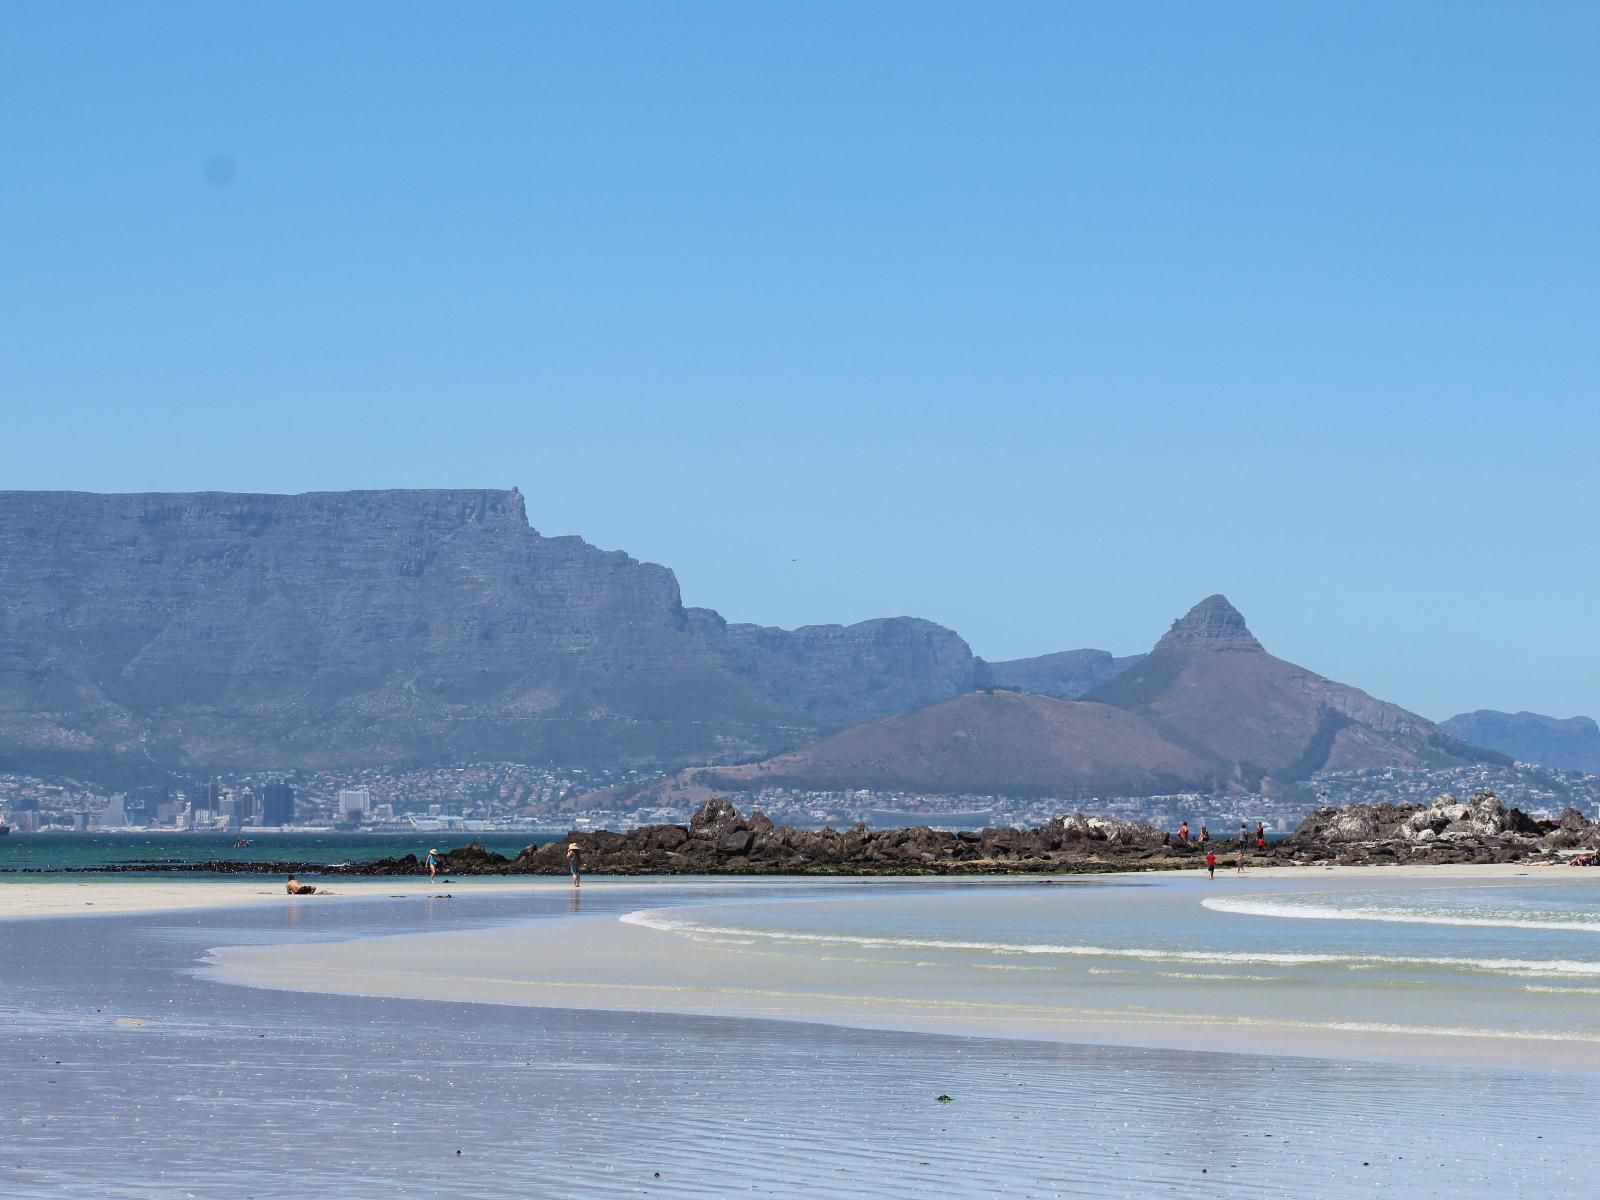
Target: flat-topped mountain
x=1567, y=744
x=343, y=629
x=157, y=632
x=1207, y=709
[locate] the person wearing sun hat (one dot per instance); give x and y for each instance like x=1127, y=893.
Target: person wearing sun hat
x=575, y=863
x=433, y=864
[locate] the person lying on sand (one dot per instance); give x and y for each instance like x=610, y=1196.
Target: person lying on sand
x=295, y=888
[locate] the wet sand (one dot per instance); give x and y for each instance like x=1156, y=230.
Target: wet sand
x=89, y=895
x=617, y=965
x=108, y=895
x=130, y=1077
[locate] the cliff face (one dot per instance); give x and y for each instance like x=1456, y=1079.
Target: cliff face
x=1066, y=675
x=346, y=628
x=1567, y=744
x=843, y=674
x=147, y=633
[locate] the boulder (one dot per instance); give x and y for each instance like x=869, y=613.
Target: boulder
x=717, y=816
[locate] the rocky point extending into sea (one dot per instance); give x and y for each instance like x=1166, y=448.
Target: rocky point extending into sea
x=720, y=841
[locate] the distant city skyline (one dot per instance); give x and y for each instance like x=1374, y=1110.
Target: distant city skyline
x=1040, y=322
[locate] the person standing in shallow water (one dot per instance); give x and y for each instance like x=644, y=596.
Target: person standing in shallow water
x=433, y=864
x=575, y=864
x=1211, y=864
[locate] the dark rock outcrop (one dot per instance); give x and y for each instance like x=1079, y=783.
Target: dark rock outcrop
x=1481, y=829
x=720, y=841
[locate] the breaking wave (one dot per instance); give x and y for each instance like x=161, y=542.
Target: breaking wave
x=663, y=921
x=1316, y=911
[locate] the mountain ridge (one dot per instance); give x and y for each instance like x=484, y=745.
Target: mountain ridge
x=143, y=633
x=1564, y=743
x=1208, y=709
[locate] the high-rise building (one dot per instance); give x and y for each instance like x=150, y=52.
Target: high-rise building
x=277, y=804
x=206, y=795
x=353, y=803
x=237, y=805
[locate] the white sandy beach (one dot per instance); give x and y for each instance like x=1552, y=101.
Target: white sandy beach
x=471, y=1050
x=109, y=895
x=608, y=964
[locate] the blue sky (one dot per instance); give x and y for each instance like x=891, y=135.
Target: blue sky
x=1042, y=321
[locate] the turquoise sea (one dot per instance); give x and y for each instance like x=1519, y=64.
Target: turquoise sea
x=44, y=852
x=1364, y=963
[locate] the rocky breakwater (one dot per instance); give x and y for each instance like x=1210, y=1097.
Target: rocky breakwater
x=720, y=841
x=1446, y=830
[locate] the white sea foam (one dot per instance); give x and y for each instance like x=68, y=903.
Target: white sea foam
x=1565, y=991
x=664, y=921
x=1315, y=911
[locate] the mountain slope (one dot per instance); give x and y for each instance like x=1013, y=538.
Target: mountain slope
x=1066, y=675
x=983, y=742
x=840, y=675
x=1207, y=709
x=1570, y=744
x=345, y=629
x=174, y=632
x=1211, y=686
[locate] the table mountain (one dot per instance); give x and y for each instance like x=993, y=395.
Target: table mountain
x=344, y=629
x=150, y=633
x=1569, y=744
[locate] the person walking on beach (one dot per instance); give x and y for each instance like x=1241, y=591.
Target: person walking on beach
x=1211, y=864
x=575, y=863
x=433, y=864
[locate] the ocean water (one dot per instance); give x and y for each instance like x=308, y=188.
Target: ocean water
x=135, y=1072
x=36, y=853
x=1513, y=962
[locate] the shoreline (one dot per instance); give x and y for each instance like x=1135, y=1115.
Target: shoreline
x=118, y=893
x=621, y=964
